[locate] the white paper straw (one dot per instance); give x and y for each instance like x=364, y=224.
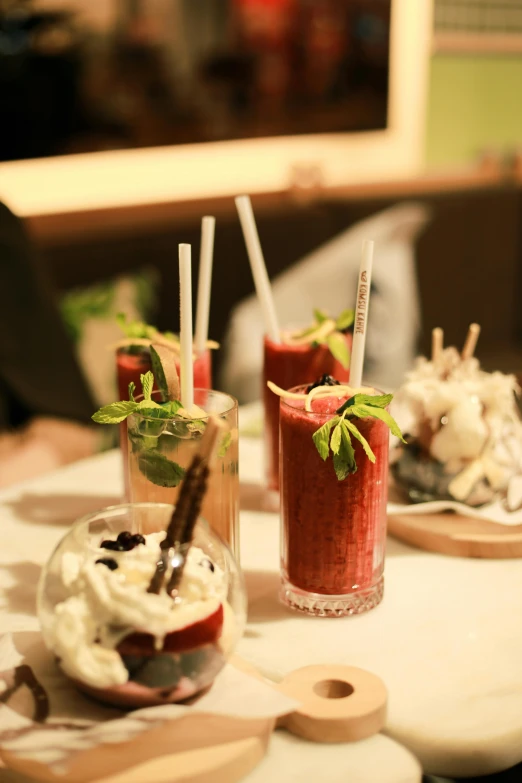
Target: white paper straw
x=361, y=314
x=258, y=266
x=185, y=332
x=205, y=276
x=471, y=341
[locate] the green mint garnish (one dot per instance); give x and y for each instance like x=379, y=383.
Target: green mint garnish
x=325, y=331
x=159, y=470
x=117, y=412
x=336, y=434
x=345, y=320
x=138, y=329
x=225, y=443
x=132, y=389
x=159, y=373
x=338, y=348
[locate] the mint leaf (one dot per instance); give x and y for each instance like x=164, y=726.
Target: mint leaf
x=225, y=443
x=335, y=443
x=147, y=382
x=362, y=440
x=345, y=320
x=320, y=316
x=344, y=461
x=321, y=437
x=134, y=328
x=172, y=406
x=115, y=412
x=152, y=410
x=159, y=470
x=132, y=389
x=377, y=401
x=157, y=370
x=378, y=413
x=339, y=349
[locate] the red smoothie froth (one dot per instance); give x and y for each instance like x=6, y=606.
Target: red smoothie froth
x=334, y=531
x=129, y=367
x=288, y=366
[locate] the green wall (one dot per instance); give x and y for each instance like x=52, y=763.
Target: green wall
x=474, y=102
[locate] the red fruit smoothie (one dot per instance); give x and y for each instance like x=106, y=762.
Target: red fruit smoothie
x=129, y=366
x=288, y=366
x=333, y=532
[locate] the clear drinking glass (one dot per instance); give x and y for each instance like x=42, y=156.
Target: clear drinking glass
x=134, y=361
x=333, y=532
x=161, y=450
x=188, y=660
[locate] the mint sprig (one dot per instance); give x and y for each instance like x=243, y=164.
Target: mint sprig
x=116, y=412
x=336, y=434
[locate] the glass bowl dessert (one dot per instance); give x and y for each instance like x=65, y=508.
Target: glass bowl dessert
x=122, y=627
x=463, y=431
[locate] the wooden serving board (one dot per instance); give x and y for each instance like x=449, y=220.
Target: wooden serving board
x=453, y=534
x=336, y=704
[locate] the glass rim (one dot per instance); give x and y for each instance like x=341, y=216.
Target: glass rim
x=317, y=414
x=223, y=395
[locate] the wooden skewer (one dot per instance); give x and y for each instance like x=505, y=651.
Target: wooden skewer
x=471, y=342
x=437, y=343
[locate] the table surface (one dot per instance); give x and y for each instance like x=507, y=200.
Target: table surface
x=445, y=640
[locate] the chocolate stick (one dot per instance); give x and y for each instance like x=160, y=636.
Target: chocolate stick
x=180, y=530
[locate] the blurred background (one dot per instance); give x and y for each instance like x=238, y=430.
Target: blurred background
x=122, y=122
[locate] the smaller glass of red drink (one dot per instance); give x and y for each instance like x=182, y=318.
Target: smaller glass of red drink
x=333, y=529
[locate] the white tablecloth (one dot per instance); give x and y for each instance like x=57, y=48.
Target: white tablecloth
x=446, y=639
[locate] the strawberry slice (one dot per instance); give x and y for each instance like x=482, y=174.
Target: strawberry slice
x=191, y=637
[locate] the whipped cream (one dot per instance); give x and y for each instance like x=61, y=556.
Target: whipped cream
x=104, y=606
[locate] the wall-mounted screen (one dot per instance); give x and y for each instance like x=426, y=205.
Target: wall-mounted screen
x=91, y=75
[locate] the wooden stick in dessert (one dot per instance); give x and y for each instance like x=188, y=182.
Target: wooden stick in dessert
x=361, y=314
x=258, y=266
x=185, y=332
x=437, y=343
x=471, y=342
x=180, y=530
x=206, y=255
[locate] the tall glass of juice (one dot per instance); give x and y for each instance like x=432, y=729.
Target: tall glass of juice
x=289, y=365
x=333, y=530
x=160, y=450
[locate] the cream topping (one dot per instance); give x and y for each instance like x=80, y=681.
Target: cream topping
x=106, y=605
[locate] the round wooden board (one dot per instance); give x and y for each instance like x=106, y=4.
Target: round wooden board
x=453, y=534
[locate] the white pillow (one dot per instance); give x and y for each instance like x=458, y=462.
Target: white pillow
x=327, y=279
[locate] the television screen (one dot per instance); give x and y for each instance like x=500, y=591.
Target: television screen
x=90, y=75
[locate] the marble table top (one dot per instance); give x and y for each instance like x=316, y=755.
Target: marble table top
x=446, y=640
x=35, y=515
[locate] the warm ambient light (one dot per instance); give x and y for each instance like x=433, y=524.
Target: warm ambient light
x=190, y=172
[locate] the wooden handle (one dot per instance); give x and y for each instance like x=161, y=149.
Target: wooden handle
x=339, y=703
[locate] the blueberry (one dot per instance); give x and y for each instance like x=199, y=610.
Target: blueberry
x=111, y=564
x=137, y=539
x=114, y=546
x=125, y=540
x=324, y=380
x=206, y=563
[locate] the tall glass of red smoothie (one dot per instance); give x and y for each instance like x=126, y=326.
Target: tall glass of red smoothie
x=289, y=365
x=134, y=361
x=333, y=531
